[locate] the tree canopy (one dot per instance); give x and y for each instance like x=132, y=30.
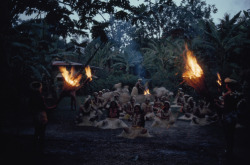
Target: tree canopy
x=129, y=42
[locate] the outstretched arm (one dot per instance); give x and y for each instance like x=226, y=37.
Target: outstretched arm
x=51, y=107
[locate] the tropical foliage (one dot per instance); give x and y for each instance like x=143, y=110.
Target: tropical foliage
x=129, y=42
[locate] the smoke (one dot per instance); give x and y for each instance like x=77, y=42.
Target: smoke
x=120, y=34
x=135, y=58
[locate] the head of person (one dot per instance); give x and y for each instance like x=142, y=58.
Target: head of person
x=113, y=104
x=100, y=93
x=230, y=84
x=36, y=86
x=166, y=105
x=180, y=90
x=95, y=94
x=140, y=80
x=126, y=87
x=87, y=102
x=147, y=101
x=190, y=101
x=137, y=108
x=163, y=98
x=181, y=94
x=186, y=97
x=132, y=100
x=116, y=97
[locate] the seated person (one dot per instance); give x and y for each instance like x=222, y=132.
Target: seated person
x=164, y=117
x=137, y=120
x=148, y=109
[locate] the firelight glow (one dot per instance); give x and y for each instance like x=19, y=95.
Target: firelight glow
x=192, y=68
x=88, y=72
x=69, y=77
x=219, y=79
x=146, y=92
x=193, y=74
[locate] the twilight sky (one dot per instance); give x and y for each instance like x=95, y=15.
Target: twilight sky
x=224, y=6
x=231, y=7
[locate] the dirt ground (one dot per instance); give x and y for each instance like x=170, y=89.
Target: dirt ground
x=67, y=143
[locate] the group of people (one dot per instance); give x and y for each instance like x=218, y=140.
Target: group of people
x=110, y=109
x=199, y=112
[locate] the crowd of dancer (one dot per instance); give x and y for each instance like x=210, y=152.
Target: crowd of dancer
x=108, y=109
x=121, y=108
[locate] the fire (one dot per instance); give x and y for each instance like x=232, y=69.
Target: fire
x=69, y=78
x=88, y=72
x=193, y=69
x=219, y=79
x=193, y=74
x=146, y=92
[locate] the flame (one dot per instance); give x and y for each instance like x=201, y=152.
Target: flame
x=193, y=74
x=88, y=72
x=219, y=78
x=193, y=69
x=69, y=77
x=146, y=92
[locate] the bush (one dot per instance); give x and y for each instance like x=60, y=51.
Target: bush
x=106, y=80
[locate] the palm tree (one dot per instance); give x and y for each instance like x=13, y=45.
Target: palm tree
x=223, y=42
x=104, y=56
x=128, y=59
x=163, y=60
x=160, y=55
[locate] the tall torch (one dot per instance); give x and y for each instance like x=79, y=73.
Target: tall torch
x=72, y=82
x=88, y=74
x=193, y=74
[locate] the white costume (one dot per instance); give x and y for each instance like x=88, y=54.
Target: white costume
x=111, y=123
x=134, y=132
x=166, y=122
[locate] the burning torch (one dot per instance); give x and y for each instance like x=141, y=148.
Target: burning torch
x=193, y=74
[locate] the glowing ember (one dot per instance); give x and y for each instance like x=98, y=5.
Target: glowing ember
x=88, y=72
x=193, y=74
x=69, y=78
x=146, y=92
x=219, y=79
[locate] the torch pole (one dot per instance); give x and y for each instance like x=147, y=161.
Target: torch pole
x=85, y=82
x=90, y=58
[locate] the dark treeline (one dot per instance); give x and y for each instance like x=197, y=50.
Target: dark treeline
x=145, y=41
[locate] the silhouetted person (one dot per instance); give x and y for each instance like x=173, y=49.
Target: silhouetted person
x=140, y=87
x=39, y=111
x=72, y=94
x=229, y=114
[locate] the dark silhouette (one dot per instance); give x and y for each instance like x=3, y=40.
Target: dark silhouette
x=139, y=86
x=230, y=114
x=39, y=111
